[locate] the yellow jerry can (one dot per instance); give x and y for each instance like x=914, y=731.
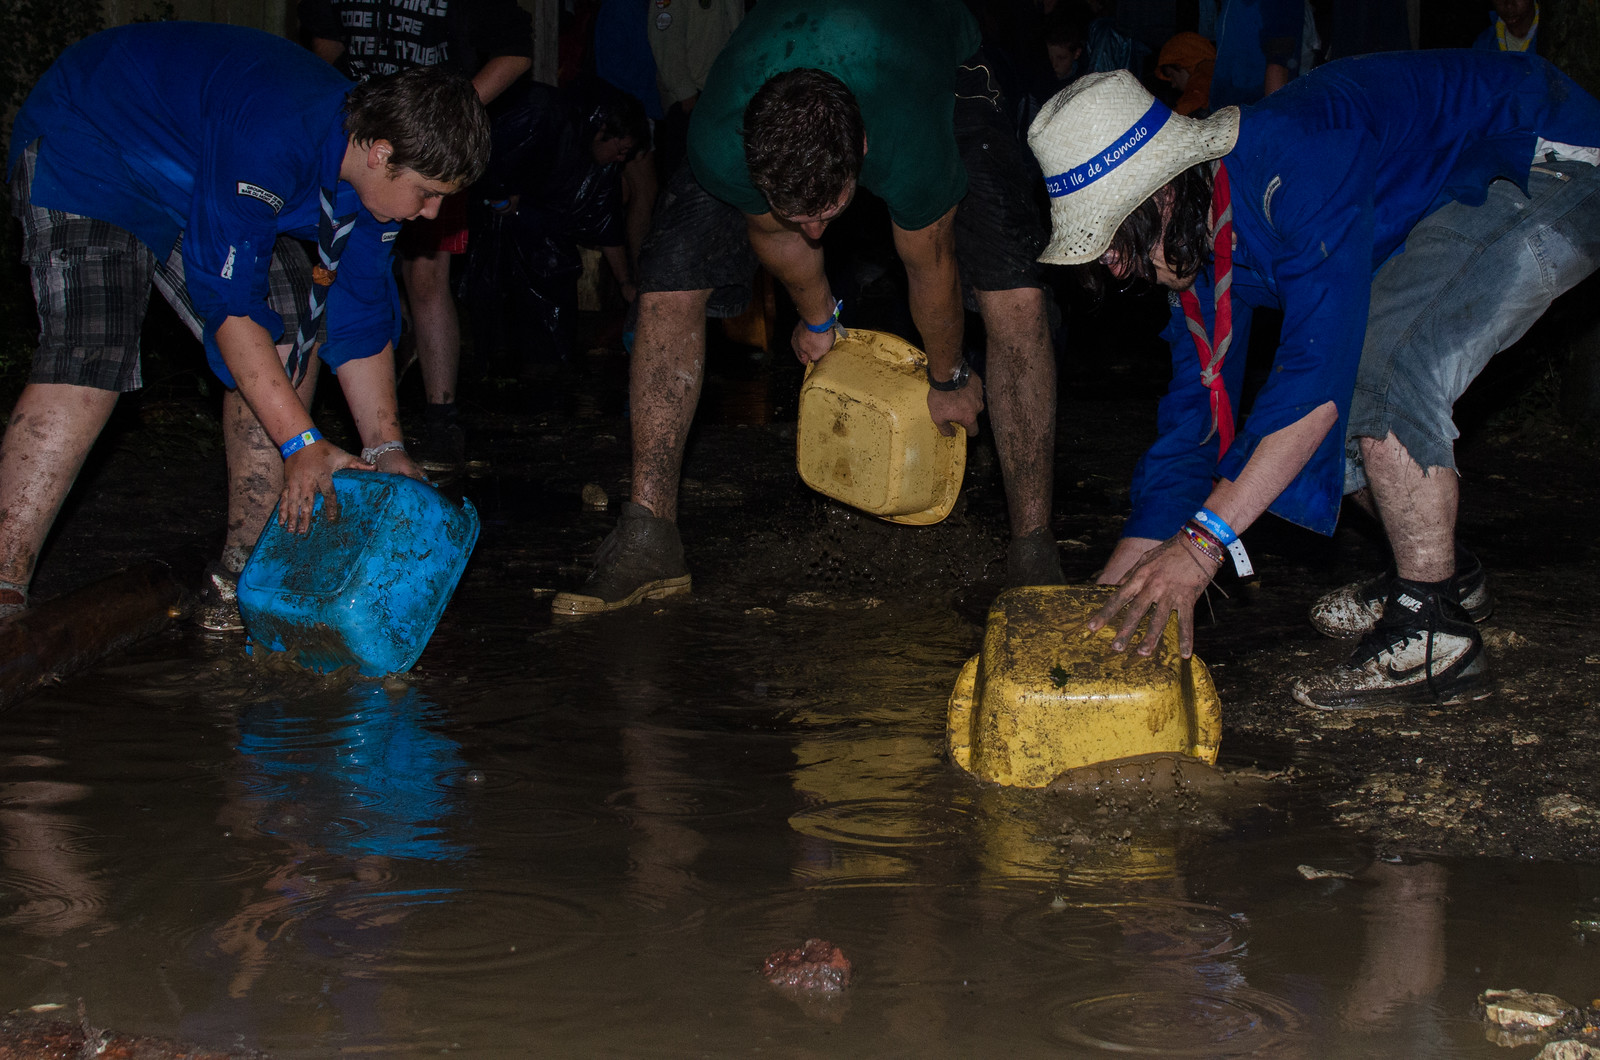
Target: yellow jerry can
x=864, y=435
x=1041, y=697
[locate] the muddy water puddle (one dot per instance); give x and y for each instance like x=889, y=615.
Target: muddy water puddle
x=583, y=839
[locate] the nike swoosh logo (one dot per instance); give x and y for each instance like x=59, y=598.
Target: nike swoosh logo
x=1401, y=675
x=1442, y=664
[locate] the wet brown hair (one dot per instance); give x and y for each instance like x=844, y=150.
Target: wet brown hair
x=430, y=116
x=1186, y=239
x=803, y=141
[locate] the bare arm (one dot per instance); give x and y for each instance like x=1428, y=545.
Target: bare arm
x=1275, y=78
x=934, y=286
x=639, y=187
x=796, y=262
x=617, y=258
x=251, y=357
x=1169, y=576
x=368, y=385
x=929, y=255
x=498, y=74
x=327, y=50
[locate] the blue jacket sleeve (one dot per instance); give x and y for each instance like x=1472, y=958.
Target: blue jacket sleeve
x=229, y=238
x=363, y=314
x=1174, y=477
x=1319, y=247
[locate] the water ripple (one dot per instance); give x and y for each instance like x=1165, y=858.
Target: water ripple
x=881, y=823
x=1179, y=1021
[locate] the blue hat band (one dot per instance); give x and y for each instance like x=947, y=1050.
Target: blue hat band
x=1121, y=149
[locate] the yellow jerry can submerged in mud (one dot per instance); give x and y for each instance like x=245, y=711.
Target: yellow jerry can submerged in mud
x=864, y=435
x=1041, y=698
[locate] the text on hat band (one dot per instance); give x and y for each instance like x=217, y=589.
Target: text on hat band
x=1121, y=149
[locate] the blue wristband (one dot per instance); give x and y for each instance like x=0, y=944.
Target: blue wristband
x=299, y=442
x=1217, y=526
x=827, y=325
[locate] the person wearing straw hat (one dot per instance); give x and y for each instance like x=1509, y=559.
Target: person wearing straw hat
x=191, y=156
x=809, y=100
x=1411, y=214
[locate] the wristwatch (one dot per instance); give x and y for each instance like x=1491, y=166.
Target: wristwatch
x=955, y=382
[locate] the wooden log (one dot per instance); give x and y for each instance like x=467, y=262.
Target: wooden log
x=60, y=637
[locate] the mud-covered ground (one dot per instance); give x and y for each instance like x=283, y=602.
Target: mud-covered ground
x=1515, y=775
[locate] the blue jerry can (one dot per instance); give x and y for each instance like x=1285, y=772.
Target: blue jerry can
x=367, y=590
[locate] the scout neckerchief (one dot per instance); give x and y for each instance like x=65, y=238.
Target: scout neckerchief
x=1212, y=355
x=332, y=235
x=1507, y=42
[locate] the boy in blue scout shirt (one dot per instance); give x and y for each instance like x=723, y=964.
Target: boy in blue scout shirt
x=191, y=156
x=1411, y=214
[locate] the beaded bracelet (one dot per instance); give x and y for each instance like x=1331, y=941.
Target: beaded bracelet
x=827, y=325
x=1204, y=543
x=1217, y=528
x=299, y=442
x=370, y=456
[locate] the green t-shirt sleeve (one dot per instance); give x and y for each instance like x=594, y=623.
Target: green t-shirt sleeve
x=899, y=58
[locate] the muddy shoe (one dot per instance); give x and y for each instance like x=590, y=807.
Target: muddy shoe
x=1034, y=559
x=217, y=609
x=1355, y=609
x=642, y=559
x=1426, y=649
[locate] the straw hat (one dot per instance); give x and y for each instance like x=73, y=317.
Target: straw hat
x=1105, y=145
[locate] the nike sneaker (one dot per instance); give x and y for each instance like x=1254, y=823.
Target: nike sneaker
x=1424, y=649
x=1354, y=610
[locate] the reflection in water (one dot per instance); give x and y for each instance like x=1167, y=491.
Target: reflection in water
x=49, y=885
x=342, y=796
x=362, y=782
x=593, y=852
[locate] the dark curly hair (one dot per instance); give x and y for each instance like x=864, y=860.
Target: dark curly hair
x=1186, y=240
x=803, y=141
x=430, y=116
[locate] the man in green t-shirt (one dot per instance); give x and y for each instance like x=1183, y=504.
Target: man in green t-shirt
x=809, y=100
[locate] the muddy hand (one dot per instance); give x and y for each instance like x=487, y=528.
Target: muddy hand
x=308, y=473
x=957, y=408
x=1168, y=580
x=398, y=462
x=812, y=346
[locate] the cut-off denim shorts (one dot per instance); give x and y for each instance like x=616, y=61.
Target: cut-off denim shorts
x=1469, y=282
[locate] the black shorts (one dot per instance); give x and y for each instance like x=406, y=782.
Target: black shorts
x=698, y=242
x=1000, y=225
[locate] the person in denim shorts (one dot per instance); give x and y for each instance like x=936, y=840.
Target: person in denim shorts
x=808, y=101
x=1411, y=214
x=194, y=157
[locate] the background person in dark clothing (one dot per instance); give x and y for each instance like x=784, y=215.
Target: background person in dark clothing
x=489, y=41
x=553, y=183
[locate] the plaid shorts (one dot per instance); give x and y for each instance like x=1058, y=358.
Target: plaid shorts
x=91, y=282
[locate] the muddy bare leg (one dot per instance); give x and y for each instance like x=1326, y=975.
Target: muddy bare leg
x=255, y=470
x=52, y=429
x=1022, y=401
x=1418, y=509
x=668, y=367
